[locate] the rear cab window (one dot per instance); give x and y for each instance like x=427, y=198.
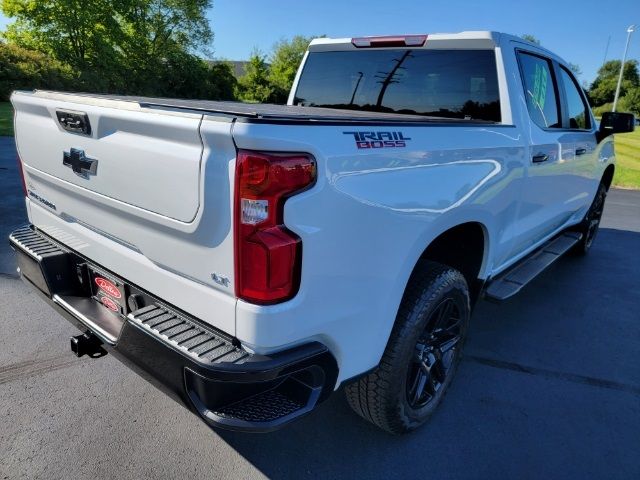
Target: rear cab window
x=439, y=83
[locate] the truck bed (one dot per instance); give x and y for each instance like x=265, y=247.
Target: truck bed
x=257, y=112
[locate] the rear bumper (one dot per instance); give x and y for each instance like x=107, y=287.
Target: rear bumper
x=203, y=369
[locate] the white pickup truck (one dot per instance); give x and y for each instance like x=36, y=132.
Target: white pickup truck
x=251, y=259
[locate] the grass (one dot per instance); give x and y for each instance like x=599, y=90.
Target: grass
x=627, y=150
x=627, y=160
x=6, y=119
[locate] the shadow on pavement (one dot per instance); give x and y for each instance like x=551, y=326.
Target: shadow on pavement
x=12, y=208
x=547, y=377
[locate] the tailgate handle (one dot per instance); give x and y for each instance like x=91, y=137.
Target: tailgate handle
x=74, y=122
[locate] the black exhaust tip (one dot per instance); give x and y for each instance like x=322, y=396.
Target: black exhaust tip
x=87, y=344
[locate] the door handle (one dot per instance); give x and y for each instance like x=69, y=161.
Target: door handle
x=581, y=151
x=540, y=157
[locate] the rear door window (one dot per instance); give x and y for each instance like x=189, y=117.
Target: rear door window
x=441, y=83
x=540, y=90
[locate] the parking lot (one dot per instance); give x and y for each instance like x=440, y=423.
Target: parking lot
x=549, y=387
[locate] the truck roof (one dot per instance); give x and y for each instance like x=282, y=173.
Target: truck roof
x=472, y=39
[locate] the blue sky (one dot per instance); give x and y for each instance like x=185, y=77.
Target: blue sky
x=577, y=31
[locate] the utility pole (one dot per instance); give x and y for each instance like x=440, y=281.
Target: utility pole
x=387, y=78
x=624, y=58
x=353, y=97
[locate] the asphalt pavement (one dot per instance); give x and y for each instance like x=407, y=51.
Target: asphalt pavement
x=549, y=388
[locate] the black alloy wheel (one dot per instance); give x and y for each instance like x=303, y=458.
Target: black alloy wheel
x=590, y=226
x=594, y=216
x=435, y=354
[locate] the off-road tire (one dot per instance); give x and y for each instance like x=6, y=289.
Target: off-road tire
x=381, y=397
x=591, y=224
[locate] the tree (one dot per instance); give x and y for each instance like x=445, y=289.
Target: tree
x=254, y=85
x=603, y=87
x=121, y=45
x=285, y=60
x=178, y=75
x=631, y=101
x=222, y=83
x=530, y=38
x=160, y=32
x=27, y=69
x=575, y=68
x=72, y=31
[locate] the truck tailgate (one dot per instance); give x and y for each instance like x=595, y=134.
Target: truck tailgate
x=147, y=160
x=157, y=209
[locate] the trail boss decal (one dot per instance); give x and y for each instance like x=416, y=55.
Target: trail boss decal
x=379, y=139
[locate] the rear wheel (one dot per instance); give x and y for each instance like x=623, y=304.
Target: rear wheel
x=591, y=223
x=422, y=354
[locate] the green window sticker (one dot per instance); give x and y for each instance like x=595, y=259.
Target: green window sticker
x=540, y=86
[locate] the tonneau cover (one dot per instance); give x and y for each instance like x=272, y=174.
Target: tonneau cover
x=255, y=111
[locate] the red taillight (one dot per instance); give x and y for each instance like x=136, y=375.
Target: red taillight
x=21, y=170
x=391, y=41
x=268, y=256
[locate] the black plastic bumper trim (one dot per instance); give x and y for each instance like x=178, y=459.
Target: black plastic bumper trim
x=206, y=371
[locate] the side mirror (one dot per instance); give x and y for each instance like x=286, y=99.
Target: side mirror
x=616, y=122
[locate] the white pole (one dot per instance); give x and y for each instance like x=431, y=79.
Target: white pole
x=624, y=58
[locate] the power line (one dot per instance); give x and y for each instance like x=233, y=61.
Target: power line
x=606, y=50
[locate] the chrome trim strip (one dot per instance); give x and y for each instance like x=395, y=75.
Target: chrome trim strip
x=100, y=332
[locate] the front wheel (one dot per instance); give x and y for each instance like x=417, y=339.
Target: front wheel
x=591, y=223
x=422, y=354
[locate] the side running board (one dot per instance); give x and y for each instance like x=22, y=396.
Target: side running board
x=510, y=282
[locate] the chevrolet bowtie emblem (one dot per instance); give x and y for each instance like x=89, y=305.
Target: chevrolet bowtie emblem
x=79, y=162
